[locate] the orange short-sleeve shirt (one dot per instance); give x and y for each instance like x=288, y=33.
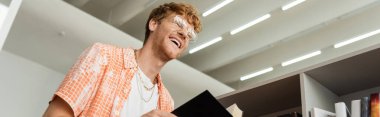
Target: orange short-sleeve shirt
x=99, y=83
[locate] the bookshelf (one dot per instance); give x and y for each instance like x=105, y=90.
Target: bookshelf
x=269, y=98
x=344, y=80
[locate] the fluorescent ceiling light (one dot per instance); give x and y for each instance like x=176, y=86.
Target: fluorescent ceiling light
x=256, y=73
x=213, y=9
x=301, y=58
x=205, y=45
x=262, y=18
x=292, y=4
x=358, y=38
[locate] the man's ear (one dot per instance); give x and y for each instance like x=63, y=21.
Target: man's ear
x=153, y=24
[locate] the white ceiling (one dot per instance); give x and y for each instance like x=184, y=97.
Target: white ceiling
x=310, y=26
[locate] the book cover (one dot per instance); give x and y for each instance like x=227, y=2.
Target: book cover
x=203, y=105
x=364, y=107
x=317, y=112
x=340, y=109
x=235, y=111
x=375, y=112
x=355, y=108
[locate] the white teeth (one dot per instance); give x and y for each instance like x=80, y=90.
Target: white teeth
x=176, y=42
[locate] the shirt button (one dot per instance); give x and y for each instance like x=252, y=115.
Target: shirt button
x=125, y=91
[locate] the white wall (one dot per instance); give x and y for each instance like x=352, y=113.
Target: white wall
x=25, y=86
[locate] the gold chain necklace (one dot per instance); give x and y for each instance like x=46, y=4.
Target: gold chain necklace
x=138, y=84
x=144, y=84
x=140, y=91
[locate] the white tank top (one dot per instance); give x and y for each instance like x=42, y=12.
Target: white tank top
x=135, y=106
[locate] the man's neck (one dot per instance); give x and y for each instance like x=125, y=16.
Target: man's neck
x=149, y=63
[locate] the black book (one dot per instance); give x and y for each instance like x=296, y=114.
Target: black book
x=203, y=105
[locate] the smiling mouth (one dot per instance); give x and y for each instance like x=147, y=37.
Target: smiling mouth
x=176, y=42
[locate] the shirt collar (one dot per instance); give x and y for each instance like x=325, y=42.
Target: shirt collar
x=130, y=62
x=129, y=58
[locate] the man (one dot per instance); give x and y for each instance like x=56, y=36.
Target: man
x=113, y=81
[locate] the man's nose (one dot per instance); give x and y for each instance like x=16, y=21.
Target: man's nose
x=182, y=33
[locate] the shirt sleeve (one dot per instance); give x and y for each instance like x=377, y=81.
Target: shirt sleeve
x=80, y=83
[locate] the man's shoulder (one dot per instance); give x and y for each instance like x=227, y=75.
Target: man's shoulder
x=108, y=47
x=116, y=52
x=99, y=45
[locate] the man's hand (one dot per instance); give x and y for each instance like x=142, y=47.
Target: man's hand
x=158, y=113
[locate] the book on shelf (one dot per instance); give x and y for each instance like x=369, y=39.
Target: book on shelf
x=355, y=108
x=202, y=105
x=364, y=107
x=368, y=106
x=374, y=101
x=317, y=112
x=341, y=110
x=235, y=111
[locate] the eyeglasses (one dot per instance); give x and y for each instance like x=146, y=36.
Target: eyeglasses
x=182, y=24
